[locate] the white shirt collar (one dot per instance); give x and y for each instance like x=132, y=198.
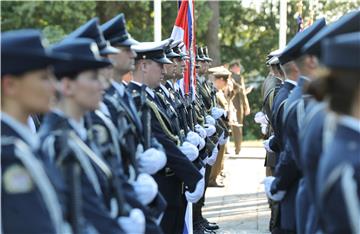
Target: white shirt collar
x=350, y=122
x=165, y=90
x=306, y=78
x=150, y=92
x=119, y=87
x=23, y=130
x=291, y=81
x=137, y=83
x=78, y=126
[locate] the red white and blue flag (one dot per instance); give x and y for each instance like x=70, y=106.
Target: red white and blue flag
x=184, y=30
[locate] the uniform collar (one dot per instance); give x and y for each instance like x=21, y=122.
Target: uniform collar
x=78, y=126
x=165, y=90
x=137, y=83
x=150, y=92
x=119, y=87
x=23, y=130
x=291, y=82
x=350, y=122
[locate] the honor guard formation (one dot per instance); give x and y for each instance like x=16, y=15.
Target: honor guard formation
x=99, y=135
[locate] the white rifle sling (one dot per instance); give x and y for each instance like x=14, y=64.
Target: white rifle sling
x=92, y=156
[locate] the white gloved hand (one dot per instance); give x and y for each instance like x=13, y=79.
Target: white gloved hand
x=210, y=129
x=134, y=223
x=150, y=161
x=200, y=130
x=190, y=151
x=212, y=159
x=275, y=197
x=217, y=112
x=145, y=188
x=197, y=193
x=261, y=118
x=223, y=140
x=201, y=144
x=202, y=171
x=266, y=144
x=264, y=128
x=193, y=138
x=210, y=120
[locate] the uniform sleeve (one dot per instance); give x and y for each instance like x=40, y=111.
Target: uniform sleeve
x=176, y=160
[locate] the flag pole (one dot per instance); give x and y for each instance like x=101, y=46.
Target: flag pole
x=157, y=20
x=283, y=24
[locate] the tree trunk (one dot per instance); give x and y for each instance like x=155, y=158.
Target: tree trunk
x=212, y=38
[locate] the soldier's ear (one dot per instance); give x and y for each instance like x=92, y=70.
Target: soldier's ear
x=143, y=66
x=8, y=84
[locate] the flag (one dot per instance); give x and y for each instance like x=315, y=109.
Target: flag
x=184, y=30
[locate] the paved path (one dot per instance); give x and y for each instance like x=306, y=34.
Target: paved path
x=240, y=207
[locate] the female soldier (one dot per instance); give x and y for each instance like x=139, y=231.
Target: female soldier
x=338, y=184
x=65, y=136
x=28, y=198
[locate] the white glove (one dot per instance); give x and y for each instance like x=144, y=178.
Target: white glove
x=150, y=161
x=202, y=171
x=201, y=144
x=264, y=128
x=212, y=159
x=135, y=223
x=223, y=140
x=145, y=188
x=275, y=197
x=260, y=118
x=210, y=129
x=197, y=193
x=266, y=144
x=200, y=130
x=210, y=120
x=190, y=151
x=217, y=112
x=193, y=138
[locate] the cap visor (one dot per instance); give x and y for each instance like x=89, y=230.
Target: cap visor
x=128, y=42
x=163, y=60
x=109, y=50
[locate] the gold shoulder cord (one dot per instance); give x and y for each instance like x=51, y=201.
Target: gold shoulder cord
x=168, y=133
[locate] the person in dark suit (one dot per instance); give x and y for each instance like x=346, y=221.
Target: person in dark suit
x=29, y=200
x=179, y=173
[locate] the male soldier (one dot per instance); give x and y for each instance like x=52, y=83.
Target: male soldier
x=179, y=171
x=269, y=90
x=30, y=203
x=287, y=173
x=221, y=75
x=241, y=104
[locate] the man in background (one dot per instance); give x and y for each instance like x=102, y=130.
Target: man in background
x=240, y=103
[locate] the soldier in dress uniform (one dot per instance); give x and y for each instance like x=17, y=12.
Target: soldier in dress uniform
x=274, y=142
x=315, y=123
x=110, y=136
x=337, y=183
x=70, y=145
x=292, y=121
x=221, y=74
x=269, y=90
x=179, y=174
x=29, y=200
